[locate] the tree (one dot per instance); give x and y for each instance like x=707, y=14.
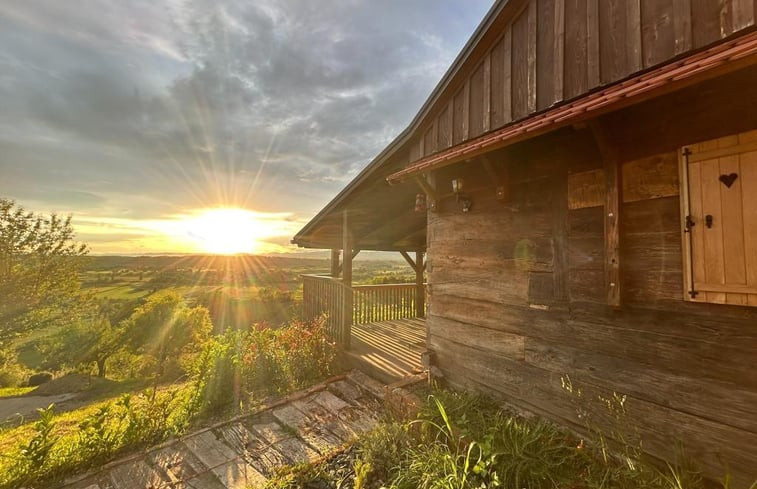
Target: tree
x=39, y=270
x=80, y=343
x=165, y=326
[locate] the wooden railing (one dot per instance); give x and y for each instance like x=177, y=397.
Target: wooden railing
x=324, y=296
x=384, y=302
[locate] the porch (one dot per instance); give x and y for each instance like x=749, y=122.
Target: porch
x=381, y=328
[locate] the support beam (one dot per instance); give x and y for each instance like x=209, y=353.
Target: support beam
x=429, y=190
x=409, y=260
x=420, y=289
x=611, y=163
x=346, y=321
x=354, y=254
x=336, y=267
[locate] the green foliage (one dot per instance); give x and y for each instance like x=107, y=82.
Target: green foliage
x=362, y=469
x=239, y=365
x=383, y=447
x=463, y=441
x=392, y=278
x=36, y=452
x=15, y=391
x=39, y=267
x=81, y=343
x=12, y=373
x=113, y=428
x=165, y=327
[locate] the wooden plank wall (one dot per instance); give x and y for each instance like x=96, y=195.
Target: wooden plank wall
x=501, y=322
x=556, y=50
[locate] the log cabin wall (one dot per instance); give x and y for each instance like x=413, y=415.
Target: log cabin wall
x=542, y=52
x=517, y=296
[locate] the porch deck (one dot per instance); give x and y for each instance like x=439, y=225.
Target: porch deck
x=389, y=350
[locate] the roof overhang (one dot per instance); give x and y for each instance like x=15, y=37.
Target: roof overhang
x=375, y=172
x=720, y=59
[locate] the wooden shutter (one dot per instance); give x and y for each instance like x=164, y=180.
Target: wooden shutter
x=720, y=219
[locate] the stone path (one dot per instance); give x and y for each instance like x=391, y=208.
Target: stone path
x=244, y=452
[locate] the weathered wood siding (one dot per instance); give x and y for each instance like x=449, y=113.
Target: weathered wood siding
x=544, y=52
x=517, y=295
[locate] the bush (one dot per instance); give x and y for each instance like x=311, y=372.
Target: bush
x=12, y=373
x=39, y=379
x=261, y=361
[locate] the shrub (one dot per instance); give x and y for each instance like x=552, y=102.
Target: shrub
x=12, y=373
x=39, y=379
x=34, y=455
x=261, y=361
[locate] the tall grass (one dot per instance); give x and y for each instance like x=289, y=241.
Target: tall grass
x=462, y=441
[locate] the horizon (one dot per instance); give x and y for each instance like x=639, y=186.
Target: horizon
x=187, y=127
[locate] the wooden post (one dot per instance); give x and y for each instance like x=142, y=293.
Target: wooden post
x=335, y=268
x=612, y=232
x=420, y=290
x=346, y=281
x=611, y=163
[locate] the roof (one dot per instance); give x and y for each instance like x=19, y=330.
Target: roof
x=735, y=53
x=385, y=212
x=305, y=237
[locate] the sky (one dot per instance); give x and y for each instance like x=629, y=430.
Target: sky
x=136, y=117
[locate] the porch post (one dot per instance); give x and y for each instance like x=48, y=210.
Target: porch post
x=346, y=281
x=420, y=290
x=334, y=263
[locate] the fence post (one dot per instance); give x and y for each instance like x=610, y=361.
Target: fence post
x=420, y=290
x=346, y=281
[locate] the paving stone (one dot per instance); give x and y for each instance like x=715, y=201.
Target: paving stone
x=366, y=383
x=324, y=418
x=136, y=475
x=181, y=465
x=347, y=391
x=241, y=454
x=227, y=465
x=286, y=442
x=310, y=429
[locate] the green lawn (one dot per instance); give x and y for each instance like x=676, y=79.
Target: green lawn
x=122, y=291
x=14, y=391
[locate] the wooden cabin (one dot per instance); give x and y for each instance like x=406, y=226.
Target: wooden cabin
x=583, y=186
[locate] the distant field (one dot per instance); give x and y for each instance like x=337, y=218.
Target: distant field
x=237, y=290
x=127, y=291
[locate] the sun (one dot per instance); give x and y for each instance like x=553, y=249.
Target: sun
x=225, y=231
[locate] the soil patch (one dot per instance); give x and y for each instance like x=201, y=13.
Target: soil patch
x=71, y=383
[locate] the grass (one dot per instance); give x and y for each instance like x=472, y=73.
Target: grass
x=120, y=292
x=230, y=375
x=460, y=441
x=15, y=391
x=59, y=444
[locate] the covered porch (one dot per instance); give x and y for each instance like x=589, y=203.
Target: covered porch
x=380, y=328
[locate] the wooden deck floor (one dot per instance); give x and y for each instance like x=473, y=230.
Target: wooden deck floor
x=390, y=350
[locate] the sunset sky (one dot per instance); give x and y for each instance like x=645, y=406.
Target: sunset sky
x=138, y=116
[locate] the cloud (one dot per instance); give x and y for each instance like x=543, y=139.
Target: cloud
x=149, y=108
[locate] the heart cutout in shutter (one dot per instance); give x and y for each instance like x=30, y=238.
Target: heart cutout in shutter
x=728, y=179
